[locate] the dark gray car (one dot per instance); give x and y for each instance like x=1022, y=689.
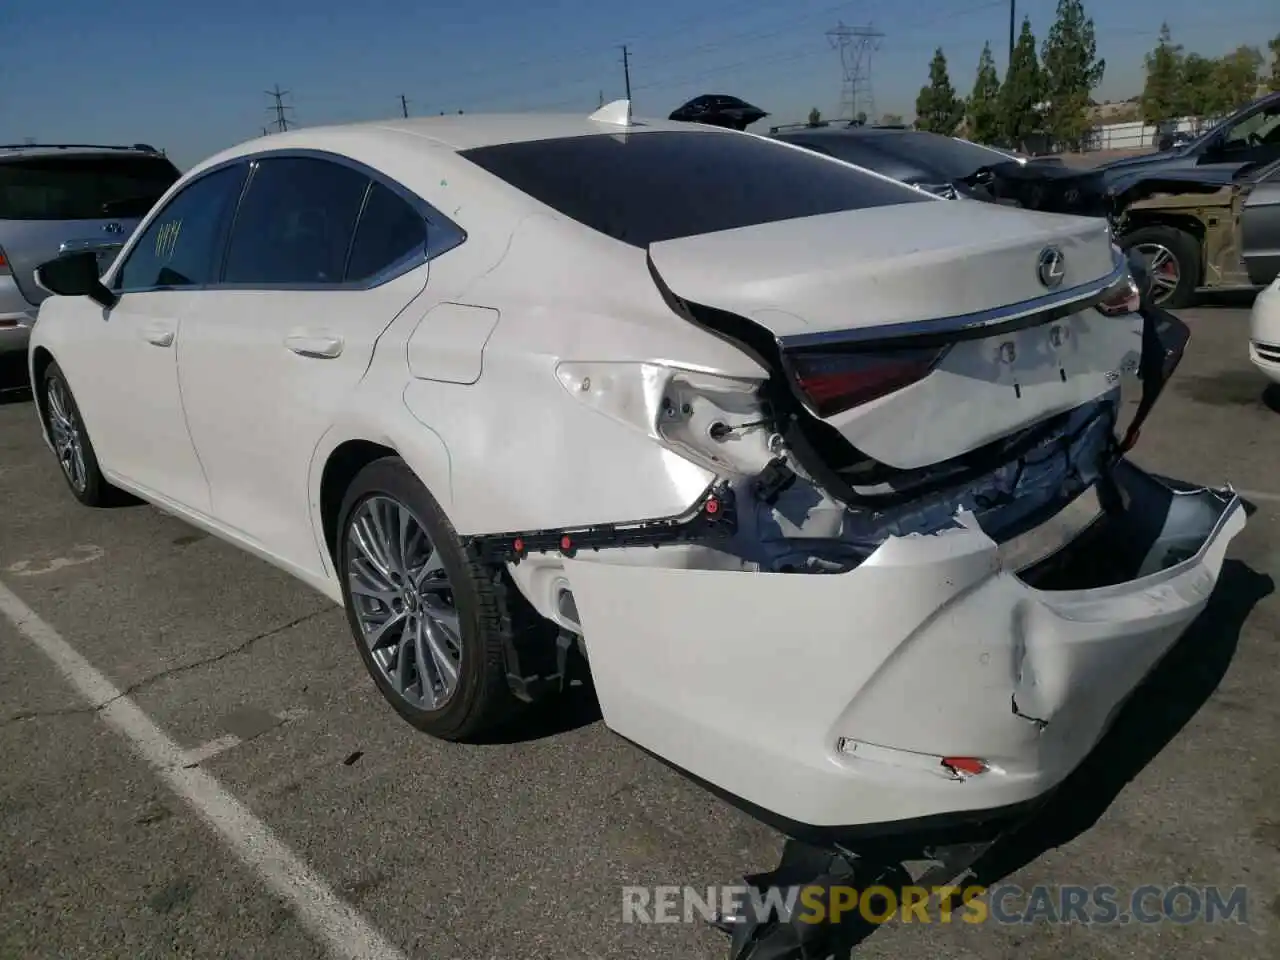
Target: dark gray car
x=928, y=160
x=58, y=198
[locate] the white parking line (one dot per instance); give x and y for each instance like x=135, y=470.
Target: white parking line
x=344, y=931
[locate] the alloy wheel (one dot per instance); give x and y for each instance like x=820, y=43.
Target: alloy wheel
x=66, y=436
x=403, y=602
x=1164, y=270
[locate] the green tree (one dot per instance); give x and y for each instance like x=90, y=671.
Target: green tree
x=861, y=118
x=938, y=109
x=1162, y=93
x=1273, y=81
x=983, y=115
x=815, y=117
x=1071, y=70
x=1196, y=94
x=1022, y=91
x=1236, y=77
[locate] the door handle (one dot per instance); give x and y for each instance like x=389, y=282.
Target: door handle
x=323, y=348
x=160, y=336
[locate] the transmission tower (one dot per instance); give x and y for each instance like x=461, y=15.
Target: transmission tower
x=279, y=109
x=855, y=45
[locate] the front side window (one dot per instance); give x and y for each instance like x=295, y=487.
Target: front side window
x=648, y=187
x=177, y=249
x=295, y=223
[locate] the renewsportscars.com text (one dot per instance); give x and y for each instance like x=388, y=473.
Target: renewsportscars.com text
x=1002, y=904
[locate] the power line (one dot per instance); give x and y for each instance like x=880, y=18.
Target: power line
x=282, y=121
x=626, y=70
x=855, y=44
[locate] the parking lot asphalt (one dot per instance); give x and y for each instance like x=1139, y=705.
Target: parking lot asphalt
x=522, y=848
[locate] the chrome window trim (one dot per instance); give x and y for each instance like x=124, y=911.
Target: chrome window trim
x=443, y=234
x=971, y=325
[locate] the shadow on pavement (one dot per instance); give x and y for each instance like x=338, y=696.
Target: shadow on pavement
x=573, y=709
x=14, y=387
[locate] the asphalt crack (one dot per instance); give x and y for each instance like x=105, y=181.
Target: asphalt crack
x=147, y=681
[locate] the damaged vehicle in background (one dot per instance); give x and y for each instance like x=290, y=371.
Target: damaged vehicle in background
x=824, y=475
x=1208, y=228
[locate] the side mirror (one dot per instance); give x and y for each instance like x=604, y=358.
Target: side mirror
x=75, y=275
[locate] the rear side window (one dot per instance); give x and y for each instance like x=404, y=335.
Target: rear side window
x=648, y=187
x=82, y=187
x=295, y=223
x=390, y=231
x=178, y=247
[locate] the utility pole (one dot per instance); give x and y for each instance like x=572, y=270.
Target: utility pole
x=1013, y=16
x=626, y=69
x=282, y=122
x=404, y=105
x=856, y=44
x=265, y=132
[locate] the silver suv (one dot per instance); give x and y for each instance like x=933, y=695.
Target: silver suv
x=58, y=198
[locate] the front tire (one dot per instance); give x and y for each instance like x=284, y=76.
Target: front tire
x=71, y=442
x=429, y=624
x=1173, y=257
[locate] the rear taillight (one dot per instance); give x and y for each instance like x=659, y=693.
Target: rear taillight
x=834, y=382
x=4, y=263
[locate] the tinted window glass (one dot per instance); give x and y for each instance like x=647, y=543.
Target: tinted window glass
x=950, y=158
x=390, y=230
x=295, y=223
x=648, y=187
x=82, y=187
x=177, y=248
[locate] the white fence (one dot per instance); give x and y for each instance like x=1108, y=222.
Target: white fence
x=1135, y=134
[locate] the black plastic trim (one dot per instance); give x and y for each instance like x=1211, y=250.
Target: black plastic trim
x=713, y=516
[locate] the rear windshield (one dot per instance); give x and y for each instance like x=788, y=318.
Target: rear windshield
x=648, y=187
x=82, y=187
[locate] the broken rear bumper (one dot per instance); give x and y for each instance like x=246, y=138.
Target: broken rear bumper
x=826, y=703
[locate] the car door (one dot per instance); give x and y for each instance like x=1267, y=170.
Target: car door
x=124, y=372
x=1260, y=227
x=320, y=259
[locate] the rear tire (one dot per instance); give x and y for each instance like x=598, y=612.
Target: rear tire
x=454, y=616
x=1175, y=258
x=70, y=438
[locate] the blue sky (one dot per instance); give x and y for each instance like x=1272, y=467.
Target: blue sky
x=192, y=79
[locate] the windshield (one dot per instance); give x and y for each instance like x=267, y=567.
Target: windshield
x=82, y=186
x=1244, y=130
x=649, y=187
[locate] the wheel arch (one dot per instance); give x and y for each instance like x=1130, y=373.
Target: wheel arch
x=41, y=359
x=342, y=454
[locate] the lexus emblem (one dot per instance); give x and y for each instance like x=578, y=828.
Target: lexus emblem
x=1051, y=267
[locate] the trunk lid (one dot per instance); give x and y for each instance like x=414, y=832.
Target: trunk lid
x=884, y=265
x=922, y=332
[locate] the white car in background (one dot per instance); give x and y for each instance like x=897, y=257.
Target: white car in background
x=1264, y=331
x=776, y=440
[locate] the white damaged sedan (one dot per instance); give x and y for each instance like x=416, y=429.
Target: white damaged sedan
x=824, y=475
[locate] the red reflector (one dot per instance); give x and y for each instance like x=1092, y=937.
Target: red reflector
x=565, y=542
x=713, y=506
x=965, y=766
x=835, y=382
x=518, y=545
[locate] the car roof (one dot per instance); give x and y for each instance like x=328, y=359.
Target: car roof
x=10, y=151
x=459, y=132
